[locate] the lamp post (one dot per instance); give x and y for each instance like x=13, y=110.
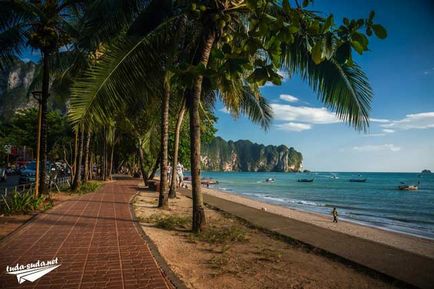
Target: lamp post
x=38, y=96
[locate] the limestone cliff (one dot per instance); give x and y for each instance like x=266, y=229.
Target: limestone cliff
x=14, y=84
x=243, y=155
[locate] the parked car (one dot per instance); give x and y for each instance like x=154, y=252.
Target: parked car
x=28, y=173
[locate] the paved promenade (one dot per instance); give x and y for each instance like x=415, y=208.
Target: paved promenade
x=411, y=268
x=95, y=240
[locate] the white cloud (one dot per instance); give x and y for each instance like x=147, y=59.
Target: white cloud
x=387, y=130
x=294, y=126
x=375, y=134
x=422, y=120
x=26, y=60
x=288, y=98
x=312, y=115
x=377, y=148
x=224, y=110
x=381, y=120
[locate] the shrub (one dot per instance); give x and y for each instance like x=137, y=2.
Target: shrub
x=168, y=222
x=214, y=234
x=88, y=187
x=24, y=203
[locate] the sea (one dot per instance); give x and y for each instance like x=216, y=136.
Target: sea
x=377, y=202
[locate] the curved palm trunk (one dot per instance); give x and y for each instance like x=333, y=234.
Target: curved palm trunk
x=77, y=179
x=111, y=160
x=154, y=168
x=198, y=208
x=142, y=163
x=163, y=201
x=172, y=191
x=87, y=156
x=44, y=108
x=104, y=156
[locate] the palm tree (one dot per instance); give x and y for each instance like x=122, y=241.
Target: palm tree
x=308, y=45
x=39, y=25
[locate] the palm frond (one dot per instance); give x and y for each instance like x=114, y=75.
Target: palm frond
x=343, y=88
x=256, y=108
x=127, y=67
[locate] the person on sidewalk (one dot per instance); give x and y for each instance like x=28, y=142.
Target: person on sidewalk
x=335, y=215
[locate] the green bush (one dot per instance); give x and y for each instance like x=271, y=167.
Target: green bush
x=168, y=222
x=24, y=203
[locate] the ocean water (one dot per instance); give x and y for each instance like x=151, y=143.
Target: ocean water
x=378, y=202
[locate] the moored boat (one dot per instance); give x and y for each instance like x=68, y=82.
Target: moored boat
x=305, y=180
x=358, y=180
x=408, y=188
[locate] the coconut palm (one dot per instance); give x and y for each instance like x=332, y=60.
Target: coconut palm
x=235, y=49
x=42, y=26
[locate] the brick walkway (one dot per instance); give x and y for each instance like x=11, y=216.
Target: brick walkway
x=95, y=241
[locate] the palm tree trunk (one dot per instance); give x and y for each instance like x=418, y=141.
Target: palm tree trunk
x=111, y=160
x=74, y=164
x=199, y=220
x=172, y=191
x=44, y=108
x=163, y=201
x=91, y=164
x=154, y=168
x=77, y=180
x=104, y=156
x=87, y=156
x=142, y=163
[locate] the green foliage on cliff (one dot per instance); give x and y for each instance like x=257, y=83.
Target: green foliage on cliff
x=15, y=80
x=243, y=155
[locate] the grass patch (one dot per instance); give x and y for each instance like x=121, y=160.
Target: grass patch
x=168, y=222
x=220, y=235
x=88, y=187
x=24, y=203
x=218, y=261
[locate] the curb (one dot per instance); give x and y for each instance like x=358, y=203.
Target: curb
x=164, y=267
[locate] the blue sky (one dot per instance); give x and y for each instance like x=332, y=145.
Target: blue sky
x=401, y=72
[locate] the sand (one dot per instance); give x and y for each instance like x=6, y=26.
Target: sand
x=410, y=243
x=259, y=261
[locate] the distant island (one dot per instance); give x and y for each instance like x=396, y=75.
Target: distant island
x=245, y=156
x=426, y=172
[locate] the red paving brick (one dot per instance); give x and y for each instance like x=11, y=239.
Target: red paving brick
x=95, y=240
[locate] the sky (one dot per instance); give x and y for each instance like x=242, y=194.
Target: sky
x=400, y=70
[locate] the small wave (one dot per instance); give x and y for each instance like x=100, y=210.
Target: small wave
x=280, y=200
x=309, y=203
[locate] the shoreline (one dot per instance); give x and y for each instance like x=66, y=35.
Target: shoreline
x=412, y=243
x=341, y=219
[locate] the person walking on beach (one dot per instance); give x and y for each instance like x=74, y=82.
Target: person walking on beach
x=335, y=215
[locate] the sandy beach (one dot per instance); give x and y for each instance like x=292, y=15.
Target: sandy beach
x=231, y=255
x=418, y=245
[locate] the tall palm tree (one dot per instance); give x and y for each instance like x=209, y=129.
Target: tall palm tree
x=42, y=26
x=254, y=50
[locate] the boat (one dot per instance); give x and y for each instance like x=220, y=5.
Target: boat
x=408, y=188
x=269, y=180
x=358, y=180
x=404, y=187
x=305, y=180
